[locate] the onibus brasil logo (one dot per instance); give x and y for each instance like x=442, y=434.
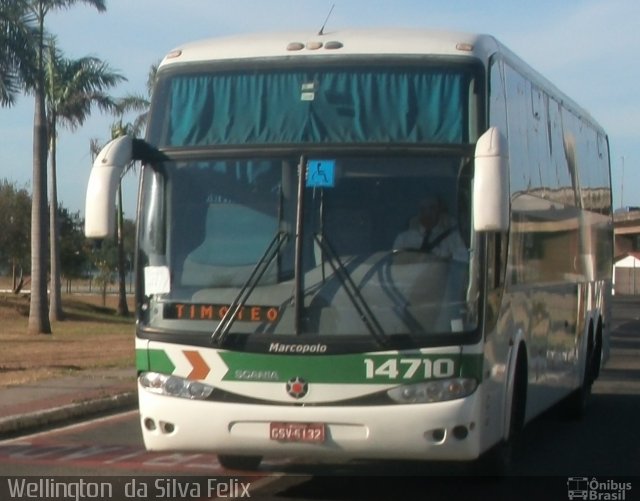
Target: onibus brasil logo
x=592, y=488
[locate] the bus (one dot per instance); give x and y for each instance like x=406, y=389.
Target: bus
x=276, y=313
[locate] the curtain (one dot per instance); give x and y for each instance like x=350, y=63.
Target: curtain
x=426, y=105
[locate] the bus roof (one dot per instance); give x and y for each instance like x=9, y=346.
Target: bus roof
x=354, y=42
x=347, y=42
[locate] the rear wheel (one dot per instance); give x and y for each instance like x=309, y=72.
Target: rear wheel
x=575, y=406
x=233, y=462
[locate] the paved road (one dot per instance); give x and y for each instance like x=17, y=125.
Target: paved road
x=604, y=447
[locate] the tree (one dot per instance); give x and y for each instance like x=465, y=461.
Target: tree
x=17, y=48
x=15, y=213
x=117, y=130
x=38, y=311
x=72, y=88
x=75, y=249
x=139, y=104
x=130, y=103
x=104, y=260
x=15, y=207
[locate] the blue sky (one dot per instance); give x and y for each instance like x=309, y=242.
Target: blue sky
x=588, y=48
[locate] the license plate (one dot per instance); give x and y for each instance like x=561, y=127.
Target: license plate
x=297, y=432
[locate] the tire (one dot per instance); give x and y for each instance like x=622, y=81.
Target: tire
x=233, y=462
x=498, y=461
x=575, y=405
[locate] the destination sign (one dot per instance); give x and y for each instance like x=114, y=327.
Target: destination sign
x=199, y=311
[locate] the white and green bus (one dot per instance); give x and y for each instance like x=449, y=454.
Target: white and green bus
x=277, y=314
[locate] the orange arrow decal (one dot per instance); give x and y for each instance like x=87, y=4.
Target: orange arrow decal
x=200, y=367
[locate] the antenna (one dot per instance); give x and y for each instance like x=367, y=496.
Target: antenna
x=321, y=32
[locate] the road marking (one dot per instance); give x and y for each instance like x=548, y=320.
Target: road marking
x=52, y=447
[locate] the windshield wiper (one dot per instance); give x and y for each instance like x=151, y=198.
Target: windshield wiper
x=353, y=292
x=222, y=330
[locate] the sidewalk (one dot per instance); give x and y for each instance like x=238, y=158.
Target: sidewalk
x=28, y=407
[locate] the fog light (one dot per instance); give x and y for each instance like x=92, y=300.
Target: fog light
x=167, y=427
x=460, y=432
x=438, y=435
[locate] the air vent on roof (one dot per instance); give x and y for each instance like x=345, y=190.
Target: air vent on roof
x=333, y=45
x=174, y=53
x=467, y=47
x=314, y=45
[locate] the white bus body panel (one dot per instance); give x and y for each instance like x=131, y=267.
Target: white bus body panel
x=390, y=431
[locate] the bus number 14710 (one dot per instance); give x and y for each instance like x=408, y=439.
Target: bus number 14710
x=408, y=368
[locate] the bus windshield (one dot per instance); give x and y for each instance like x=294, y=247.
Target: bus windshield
x=235, y=243
x=339, y=253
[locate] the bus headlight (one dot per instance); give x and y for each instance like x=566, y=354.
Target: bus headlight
x=433, y=391
x=174, y=386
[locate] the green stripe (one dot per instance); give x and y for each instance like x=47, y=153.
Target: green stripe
x=158, y=361
x=142, y=359
x=352, y=369
x=471, y=366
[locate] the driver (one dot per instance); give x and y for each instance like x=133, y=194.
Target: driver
x=433, y=232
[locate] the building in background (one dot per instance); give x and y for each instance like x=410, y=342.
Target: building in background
x=626, y=269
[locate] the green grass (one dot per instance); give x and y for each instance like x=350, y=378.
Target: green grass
x=92, y=336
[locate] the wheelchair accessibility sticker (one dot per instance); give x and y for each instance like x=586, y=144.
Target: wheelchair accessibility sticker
x=321, y=174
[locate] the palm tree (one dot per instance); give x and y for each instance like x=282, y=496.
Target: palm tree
x=127, y=104
x=17, y=49
x=38, y=317
x=135, y=129
x=118, y=129
x=73, y=87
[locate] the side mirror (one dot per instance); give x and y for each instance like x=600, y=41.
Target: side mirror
x=103, y=185
x=491, y=183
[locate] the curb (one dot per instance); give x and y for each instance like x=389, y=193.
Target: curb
x=43, y=418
